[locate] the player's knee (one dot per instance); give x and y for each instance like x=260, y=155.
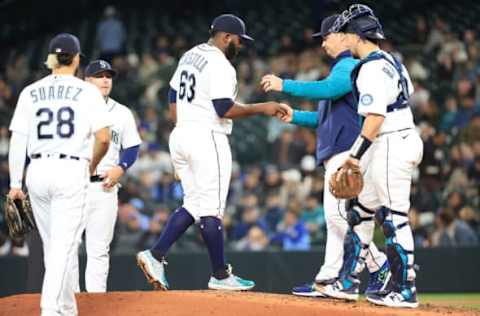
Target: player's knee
x=358, y=214
x=210, y=224
x=353, y=218
x=381, y=215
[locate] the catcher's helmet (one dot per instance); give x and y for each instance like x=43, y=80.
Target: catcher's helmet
x=359, y=19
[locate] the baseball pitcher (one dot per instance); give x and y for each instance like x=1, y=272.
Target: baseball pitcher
x=202, y=93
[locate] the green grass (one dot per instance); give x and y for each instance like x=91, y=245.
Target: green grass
x=468, y=300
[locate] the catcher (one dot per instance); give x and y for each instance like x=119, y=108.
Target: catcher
x=336, y=122
x=388, y=150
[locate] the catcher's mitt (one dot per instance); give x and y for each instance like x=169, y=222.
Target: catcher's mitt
x=347, y=181
x=19, y=217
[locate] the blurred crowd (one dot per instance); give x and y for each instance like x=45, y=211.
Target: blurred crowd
x=276, y=200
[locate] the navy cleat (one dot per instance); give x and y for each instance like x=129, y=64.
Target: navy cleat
x=308, y=290
x=378, y=280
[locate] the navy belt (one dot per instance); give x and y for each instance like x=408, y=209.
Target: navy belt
x=60, y=156
x=395, y=107
x=391, y=132
x=96, y=178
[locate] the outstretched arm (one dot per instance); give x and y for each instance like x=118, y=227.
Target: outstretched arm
x=301, y=118
x=227, y=108
x=334, y=86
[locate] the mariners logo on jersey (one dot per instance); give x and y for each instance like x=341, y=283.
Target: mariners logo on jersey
x=366, y=99
x=124, y=134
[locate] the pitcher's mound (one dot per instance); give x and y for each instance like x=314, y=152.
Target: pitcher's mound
x=213, y=303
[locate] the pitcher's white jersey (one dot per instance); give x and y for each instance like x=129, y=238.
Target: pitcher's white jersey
x=59, y=114
x=378, y=87
x=124, y=134
x=204, y=74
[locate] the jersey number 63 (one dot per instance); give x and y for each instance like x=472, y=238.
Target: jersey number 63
x=187, y=86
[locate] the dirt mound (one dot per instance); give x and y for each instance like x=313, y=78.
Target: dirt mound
x=214, y=303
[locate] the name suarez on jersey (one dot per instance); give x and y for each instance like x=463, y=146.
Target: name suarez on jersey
x=195, y=60
x=57, y=92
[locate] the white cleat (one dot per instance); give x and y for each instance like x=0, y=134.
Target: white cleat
x=153, y=269
x=345, y=290
x=395, y=299
x=232, y=283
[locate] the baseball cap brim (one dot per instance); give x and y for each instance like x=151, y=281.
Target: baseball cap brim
x=110, y=71
x=319, y=34
x=246, y=37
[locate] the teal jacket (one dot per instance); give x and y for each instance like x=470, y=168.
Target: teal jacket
x=333, y=87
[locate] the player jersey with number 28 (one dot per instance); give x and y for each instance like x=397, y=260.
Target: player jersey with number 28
x=59, y=114
x=204, y=74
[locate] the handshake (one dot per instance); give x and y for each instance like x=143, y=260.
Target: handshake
x=282, y=111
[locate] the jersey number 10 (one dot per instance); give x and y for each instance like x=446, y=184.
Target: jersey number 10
x=187, y=86
x=65, y=127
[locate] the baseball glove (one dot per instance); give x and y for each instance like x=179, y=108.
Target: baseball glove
x=347, y=181
x=19, y=217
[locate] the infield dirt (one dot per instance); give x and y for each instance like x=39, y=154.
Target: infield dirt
x=213, y=303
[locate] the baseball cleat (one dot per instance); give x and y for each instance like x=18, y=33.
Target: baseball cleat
x=231, y=283
x=378, y=280
x=405, y=299
x=307, y=290
x=344, y=289
x=153, y=269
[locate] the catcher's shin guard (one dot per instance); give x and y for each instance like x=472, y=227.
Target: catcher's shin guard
x=355, y=250
x=400, y=258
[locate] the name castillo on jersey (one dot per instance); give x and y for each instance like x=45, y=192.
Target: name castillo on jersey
x=193, y=59
x=203, y=74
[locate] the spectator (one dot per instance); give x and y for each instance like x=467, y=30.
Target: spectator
x=250, y=218
x=292, y=233
x=420, y=233
x=453, y=231
x=314, y=218
x=256, y=240
x=111, y=35
x=274, y=212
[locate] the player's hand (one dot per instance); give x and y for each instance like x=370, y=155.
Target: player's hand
x=271, y=83
x=286, y=118
x=111, y=177
x=275, y=109
x=348, y=163
x=16, y=194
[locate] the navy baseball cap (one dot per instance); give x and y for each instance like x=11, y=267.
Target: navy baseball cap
x=232, y=24
x=64, y=43
x=327, y=23
x=98, y=66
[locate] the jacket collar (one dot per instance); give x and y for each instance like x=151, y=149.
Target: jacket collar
x=344, y=54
